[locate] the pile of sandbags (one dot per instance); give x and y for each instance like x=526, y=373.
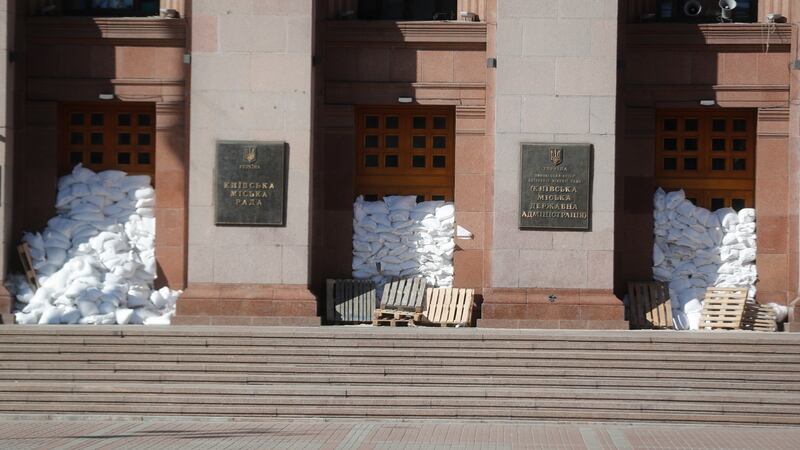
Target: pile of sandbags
x=398, y=237
x=696, y=249
x=95, y=262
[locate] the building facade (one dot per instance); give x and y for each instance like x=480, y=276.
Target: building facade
x=375, y=98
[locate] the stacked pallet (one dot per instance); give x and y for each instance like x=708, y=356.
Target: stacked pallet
x=401, y=304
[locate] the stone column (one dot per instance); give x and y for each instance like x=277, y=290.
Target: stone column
x=6, y=155
x=556, y=83
x=250, y=81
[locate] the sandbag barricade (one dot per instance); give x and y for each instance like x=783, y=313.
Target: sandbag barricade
x=696, y=249
x=95, y=261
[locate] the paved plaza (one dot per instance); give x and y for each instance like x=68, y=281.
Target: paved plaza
x=125, y=433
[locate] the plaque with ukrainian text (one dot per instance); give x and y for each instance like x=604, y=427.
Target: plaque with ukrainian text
x=556, y=187
x=251, y=183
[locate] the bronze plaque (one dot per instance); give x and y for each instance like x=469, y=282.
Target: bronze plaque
x=251, y=183
x=556, y=186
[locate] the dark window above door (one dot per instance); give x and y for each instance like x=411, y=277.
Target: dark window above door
x=97, y=8
x=407, y=9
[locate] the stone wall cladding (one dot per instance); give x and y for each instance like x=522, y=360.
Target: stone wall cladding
x=251, y=80
x=556, y=82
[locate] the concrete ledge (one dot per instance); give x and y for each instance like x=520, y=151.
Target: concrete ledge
x=247, y=304
x=552, y=308
x=554, y=324
x=247, y=321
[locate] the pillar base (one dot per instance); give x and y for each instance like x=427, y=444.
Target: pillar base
x=552, y=309
x=6, y=305
x=247, y=304
x=792, y=324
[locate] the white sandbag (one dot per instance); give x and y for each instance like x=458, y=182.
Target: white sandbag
x=428, y=207
x=662, y=274
x=51, y=315
x=727, y=217
x=679, y=320
x=747, y=215
x=746, y=256
x=445, y=212
x=30, y=318
x=693, y=306
x=361, y=246
x=781, y=312
x=165, y=319
x=71, y=316
x=693, y=320
x=405, y=202
x=685, y=208
x=400, y=216
x=87, y=308
x=375, y=208
x=659, y=199
x=674, y=198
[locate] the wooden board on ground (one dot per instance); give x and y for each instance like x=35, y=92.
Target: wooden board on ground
x=406, y=294
x=27, y=265
x=723, y=308
x=759, y=318
x=349, y=301
x=650, y=305
x=449, y=307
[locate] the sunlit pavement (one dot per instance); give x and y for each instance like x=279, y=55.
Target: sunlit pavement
x=171, y=433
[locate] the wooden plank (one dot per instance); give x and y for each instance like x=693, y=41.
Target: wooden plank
x=385, y=296
x=638, y=315
x=364, y=303
x=371, y=301
x=27, y=264
x=360, y=292
x=329, y=300
x=649, y=304
x=470, y=307
x=339, y=294
x=405, y=301
x=460, y=298
x=451, y=310
x=419, y=294
x=433, y=305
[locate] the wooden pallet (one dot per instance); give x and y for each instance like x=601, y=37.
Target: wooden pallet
x=723, y=308
x=392, y=322
x=396, y=314
x=759, y=318
x=349, y=301
x=650, y=305
x=406, y=294
x=449, y=307
x=27, y=265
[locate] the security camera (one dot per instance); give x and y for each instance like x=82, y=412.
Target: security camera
x=727, y=7
x=692, y=8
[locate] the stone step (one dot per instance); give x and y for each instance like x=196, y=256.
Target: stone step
x=401, y=370
x=589, y=381
x=737, y=365
x=644, y=405
x=383, y=408
x=201, y=392
x=382, y=344
x=400, y=334
x=392, y=413
x=407, y=354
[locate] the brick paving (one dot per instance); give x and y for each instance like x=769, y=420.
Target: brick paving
x=124, y=433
